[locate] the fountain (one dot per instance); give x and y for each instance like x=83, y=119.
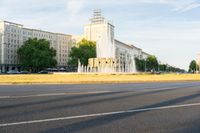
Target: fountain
x=107, y=65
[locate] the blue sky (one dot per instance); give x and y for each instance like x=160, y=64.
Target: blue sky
x=169, y=29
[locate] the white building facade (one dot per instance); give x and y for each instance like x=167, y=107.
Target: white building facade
x=102, y=32
x=112, y=55
x=13, y=35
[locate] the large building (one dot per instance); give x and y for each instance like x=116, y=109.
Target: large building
x=13, y=35
x=112, y=54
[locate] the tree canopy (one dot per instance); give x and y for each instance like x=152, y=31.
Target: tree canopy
x=151, y=63
x=140, y=64
x=83, y=51
x=193, y=67
x=37, y=54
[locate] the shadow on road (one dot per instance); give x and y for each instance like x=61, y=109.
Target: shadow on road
x=96, y=122
x=112, y=97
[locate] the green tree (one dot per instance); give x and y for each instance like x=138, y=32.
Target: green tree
x=140, y=64
x=152, y=63
x=163, y=67
x=36, y=54
x=83, y=50
x=193, y=67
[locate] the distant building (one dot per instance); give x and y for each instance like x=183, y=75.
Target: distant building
x=13, y=35
x=112, y=54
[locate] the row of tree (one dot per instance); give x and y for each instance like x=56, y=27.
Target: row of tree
x=36, y=54
x=151, y=64
x=87, y=49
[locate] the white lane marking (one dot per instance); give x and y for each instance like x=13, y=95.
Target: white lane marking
x=1, y=97
x=54, y=94
x=98, y=114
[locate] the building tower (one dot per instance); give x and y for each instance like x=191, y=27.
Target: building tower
x=102, y=32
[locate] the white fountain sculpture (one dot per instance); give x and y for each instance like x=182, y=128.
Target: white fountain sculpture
x=79, y=67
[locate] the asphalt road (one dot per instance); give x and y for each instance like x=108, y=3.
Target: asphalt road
x=105, y=108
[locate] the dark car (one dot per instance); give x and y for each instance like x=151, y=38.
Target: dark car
x=24, y=72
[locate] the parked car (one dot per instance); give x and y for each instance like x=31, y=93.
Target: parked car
x=43, y=72
x=52, y=69
x=13, y=72
x=24, y=72
x=62, y=69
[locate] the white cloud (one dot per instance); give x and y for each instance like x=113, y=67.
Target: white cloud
x=57, y=16
x=75, y=6
x=176, y=43
x=187, y=7
x=180, y=5
x=74, y=12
